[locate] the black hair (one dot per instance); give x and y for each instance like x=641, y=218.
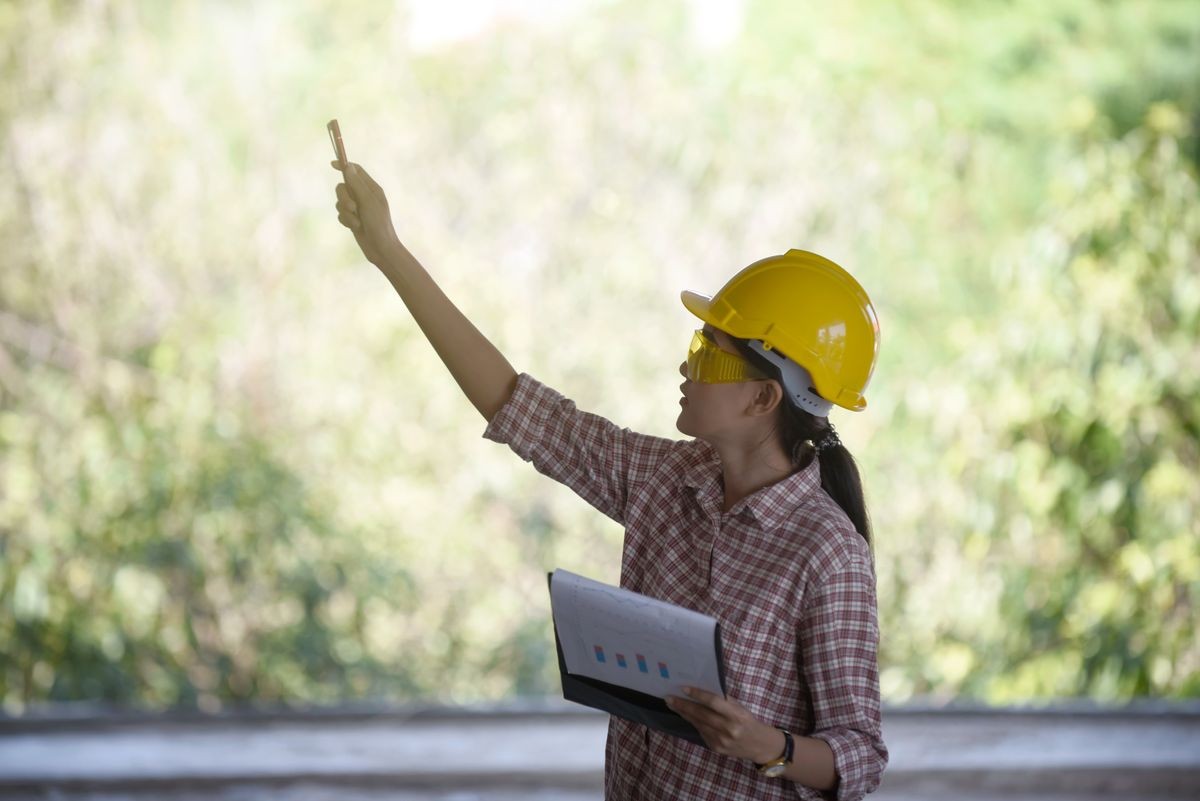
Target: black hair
x=798, y=433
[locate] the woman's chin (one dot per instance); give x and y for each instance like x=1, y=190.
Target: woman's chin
x=681, y=424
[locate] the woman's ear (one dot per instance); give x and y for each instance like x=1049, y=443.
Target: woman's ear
x=767, y=397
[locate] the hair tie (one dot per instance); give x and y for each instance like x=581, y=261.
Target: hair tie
x=830, y=440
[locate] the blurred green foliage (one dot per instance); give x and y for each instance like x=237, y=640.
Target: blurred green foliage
x=1076, y=463
x=232, y=471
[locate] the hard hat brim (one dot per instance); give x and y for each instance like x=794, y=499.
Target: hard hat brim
x=699, y=305
x=723, y=317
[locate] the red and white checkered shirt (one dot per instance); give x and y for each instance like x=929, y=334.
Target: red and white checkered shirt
x=784, y=571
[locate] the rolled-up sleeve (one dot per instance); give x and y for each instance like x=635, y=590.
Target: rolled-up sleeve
x=597, y=459
x=839, y=642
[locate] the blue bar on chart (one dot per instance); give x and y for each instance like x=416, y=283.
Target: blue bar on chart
x=662, y=670
x=642, y=663
x=620, y=660
x=599, y=653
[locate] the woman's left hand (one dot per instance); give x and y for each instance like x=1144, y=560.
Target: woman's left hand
x=727, y=726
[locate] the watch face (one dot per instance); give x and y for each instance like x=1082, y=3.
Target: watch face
x=774, y=770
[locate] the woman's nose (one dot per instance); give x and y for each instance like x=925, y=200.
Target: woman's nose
x=683, y=369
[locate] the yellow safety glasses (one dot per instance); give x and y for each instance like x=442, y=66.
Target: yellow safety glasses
x=708, y=364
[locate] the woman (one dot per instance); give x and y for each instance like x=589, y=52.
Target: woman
x=758, y=521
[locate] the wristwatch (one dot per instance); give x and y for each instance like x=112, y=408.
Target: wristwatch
x=779, y=764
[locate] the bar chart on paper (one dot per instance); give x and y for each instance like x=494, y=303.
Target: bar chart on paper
x=629, y=639
x=622, y=663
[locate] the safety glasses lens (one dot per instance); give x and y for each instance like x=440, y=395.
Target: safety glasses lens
x=708, y=364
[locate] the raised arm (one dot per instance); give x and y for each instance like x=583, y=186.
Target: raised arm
x=482, y=372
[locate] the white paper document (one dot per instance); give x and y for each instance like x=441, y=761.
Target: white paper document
x=632, y=640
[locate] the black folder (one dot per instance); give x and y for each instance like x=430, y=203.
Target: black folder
x=639, y=707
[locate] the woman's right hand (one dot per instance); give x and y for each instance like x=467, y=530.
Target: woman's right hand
x=363, y=208
x=484, y=375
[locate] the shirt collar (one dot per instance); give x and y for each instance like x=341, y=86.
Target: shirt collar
x=771, y=505
x=704, y=472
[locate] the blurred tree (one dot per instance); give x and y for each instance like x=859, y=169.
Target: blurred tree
x=1099, y=524
x=1069, y=437
x=155, y=554
x=231, y=470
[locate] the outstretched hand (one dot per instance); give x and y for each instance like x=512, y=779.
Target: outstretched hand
x=363, y=208
x=728, y=727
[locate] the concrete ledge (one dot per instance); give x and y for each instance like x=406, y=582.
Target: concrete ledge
x=525, y=749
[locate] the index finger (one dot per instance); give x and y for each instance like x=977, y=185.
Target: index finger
x=360, y=179
x=354, y=173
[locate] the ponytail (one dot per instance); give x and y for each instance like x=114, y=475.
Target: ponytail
x=805, y=436
x=799, y=430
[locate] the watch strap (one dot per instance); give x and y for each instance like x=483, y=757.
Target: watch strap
x=784, y=759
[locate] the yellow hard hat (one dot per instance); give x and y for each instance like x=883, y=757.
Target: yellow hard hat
x=810, y=311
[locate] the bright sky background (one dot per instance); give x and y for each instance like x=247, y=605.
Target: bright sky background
x=435, y=22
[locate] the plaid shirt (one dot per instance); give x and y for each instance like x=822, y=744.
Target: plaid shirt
x=784, y=571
